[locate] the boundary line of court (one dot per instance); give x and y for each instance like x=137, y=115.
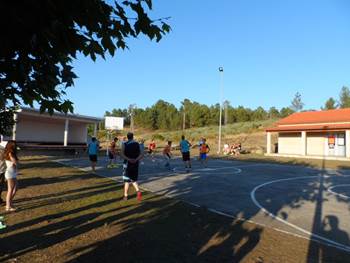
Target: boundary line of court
x=337, y=194
x=320, y=240
x=313, y=236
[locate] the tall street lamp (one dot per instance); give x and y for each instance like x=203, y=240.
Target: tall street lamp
x=221, y=71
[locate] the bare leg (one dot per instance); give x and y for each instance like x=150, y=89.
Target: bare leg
x=14, y=190
x=136, y=186
x=138, y=192
x=126, y=189
x=10, y=186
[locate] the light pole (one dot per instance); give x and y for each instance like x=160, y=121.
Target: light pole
x=221, y=70
x=131, y=109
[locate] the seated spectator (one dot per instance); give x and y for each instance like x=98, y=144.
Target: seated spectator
x=236, y=149
x=226, y=149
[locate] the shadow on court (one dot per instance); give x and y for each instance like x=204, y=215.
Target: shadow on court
x=160, y=229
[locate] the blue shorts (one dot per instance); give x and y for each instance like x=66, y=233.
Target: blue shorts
x=203, y=156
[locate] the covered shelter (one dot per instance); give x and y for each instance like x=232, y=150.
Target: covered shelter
x=33, y=129
x=312, y=134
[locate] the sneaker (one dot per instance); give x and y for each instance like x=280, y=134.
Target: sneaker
x=125, y=198
x=139, y=196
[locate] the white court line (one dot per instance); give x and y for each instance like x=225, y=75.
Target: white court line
x=264, y=226
x=335, y=193
x=181, y=170
x=312, y=235
x=87, y=171
x=320, y=240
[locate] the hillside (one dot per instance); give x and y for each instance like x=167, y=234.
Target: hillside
x=250, y=134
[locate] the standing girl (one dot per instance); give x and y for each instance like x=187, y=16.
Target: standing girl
x=10, y=156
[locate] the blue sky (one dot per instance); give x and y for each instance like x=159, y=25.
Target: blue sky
x=269, y=50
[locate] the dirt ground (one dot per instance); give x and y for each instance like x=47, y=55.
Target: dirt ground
x=66, y=215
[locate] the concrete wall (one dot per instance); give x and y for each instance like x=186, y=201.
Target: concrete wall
x=46, y=130
x=289, y=143
x=31, y=130
x=316, y=143
x=77, y=133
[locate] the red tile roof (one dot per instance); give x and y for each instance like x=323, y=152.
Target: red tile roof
x=314, y=120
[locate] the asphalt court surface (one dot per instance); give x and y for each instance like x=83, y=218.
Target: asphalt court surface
x=312, y=203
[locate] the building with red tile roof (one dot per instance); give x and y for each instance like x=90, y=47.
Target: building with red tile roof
x=313, y=134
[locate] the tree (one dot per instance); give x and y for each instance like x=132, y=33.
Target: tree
x=330, y=104
x=273, y=113
x=243, y=114
x=297, y=104
x=41, y=38
x=259, y=114
x=344, y=97
x=286, y=111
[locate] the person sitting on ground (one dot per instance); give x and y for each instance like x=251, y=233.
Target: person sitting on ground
x=237, y=149
x=232, y=149
x=226, y=149
x=167, y=154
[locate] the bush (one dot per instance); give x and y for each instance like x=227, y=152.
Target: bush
x=159, y=137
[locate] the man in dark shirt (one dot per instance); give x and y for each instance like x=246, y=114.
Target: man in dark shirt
x=131, y=153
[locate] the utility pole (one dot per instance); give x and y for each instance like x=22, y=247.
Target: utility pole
x=184, y=118
x=131, y=109
x=226, y=103
x=221, y=70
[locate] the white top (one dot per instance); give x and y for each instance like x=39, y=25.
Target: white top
x=11, y=170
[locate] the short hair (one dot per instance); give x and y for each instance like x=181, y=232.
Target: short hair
x=169, y=142
x=130, y=136
x=93, y=139
x=183, y=137
x=115, y=139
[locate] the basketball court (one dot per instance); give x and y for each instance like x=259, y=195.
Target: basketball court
x=296, y=200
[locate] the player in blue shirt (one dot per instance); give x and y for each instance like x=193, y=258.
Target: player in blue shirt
x=185, y=151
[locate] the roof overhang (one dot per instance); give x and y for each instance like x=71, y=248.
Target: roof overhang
x=58, y=115
x=310, y=127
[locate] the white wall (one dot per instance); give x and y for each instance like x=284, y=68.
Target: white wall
x=49, y=130
x=40, y=130
x=316, y=143
x=77, y=133
x=289, y=143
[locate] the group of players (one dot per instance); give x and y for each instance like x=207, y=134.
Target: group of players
x=184, y=147
x=132, y=152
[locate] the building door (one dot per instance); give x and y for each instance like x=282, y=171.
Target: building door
x=335, y=144
x=340, y=141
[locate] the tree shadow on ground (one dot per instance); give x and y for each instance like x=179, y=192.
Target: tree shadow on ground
x=159, y=229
